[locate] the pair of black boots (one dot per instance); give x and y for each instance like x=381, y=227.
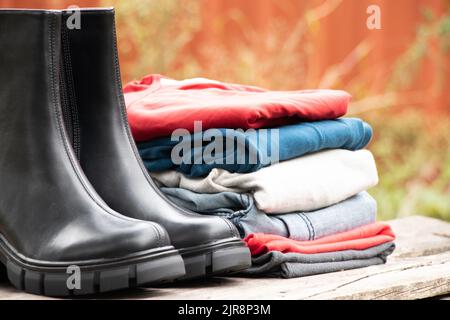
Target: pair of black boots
x=75, y=199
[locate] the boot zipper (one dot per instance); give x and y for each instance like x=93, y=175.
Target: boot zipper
x=68, y=97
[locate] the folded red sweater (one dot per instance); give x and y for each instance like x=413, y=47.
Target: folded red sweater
x=357, y=239
x=157, y=106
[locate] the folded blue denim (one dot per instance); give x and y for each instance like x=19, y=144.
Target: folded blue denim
x=293, y=265
x=241, y=210
x=257, y=147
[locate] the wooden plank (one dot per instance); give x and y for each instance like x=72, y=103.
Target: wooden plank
x=420, y=268
x=410, y=278
x=420, y=236
x=404, y=279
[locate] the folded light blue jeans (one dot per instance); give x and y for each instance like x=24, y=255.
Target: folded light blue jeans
x=241, y=210
x=293, y=265
x=255, y=149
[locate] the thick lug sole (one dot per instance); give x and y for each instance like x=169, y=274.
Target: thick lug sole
x=146, y=269
x=216, y=259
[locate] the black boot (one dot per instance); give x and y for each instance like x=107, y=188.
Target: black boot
x=50, y=216
x=108, y=155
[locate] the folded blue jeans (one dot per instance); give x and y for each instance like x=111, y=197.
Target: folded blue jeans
x=253, y=149
x=242, y=211
x=293, y=265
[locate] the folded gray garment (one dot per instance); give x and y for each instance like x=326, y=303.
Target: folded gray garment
x=294, y=265
x=242, y=211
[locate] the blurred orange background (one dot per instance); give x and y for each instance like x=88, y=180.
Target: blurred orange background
x=399, y=76
x=329, y=39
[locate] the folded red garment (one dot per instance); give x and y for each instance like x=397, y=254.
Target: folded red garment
x=157, y=106
x=357, y=239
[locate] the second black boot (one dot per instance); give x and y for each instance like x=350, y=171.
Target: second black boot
x=107, y=153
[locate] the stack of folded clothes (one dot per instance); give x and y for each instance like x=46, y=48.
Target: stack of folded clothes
x=281, y=165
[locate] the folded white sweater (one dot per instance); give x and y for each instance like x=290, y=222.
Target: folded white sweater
x=303, y=184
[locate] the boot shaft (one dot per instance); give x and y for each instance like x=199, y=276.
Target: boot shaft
x=31, y=132
x=29, y=64
x=98, y=102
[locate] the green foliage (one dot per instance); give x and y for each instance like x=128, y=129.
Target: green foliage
x=444, y=33
x=408, y=65
x=155, y=32
x=413, y=160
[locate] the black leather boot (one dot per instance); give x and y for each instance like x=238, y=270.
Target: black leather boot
x=50, y=216
x=107, y=153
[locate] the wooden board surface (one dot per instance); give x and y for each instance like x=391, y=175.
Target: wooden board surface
x=419, y=268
